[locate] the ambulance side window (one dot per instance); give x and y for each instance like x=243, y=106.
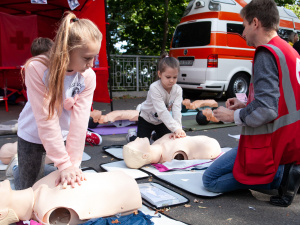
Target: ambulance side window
x=192, y=34
x=235, y=28
x=284, y=33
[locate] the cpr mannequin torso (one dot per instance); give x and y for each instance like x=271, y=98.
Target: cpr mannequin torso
x=139, y=152
x=101, y=195
x=199, y=103
x=131, y=115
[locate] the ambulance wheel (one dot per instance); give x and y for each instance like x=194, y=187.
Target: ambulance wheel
x=239, y=84
x=201, y=119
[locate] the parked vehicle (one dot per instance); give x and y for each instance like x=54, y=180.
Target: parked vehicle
x=213, y=55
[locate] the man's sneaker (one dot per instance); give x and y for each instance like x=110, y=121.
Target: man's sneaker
x=93, y=138
x=131, y=136
x=10, y=168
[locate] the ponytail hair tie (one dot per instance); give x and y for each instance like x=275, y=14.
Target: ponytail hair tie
x=74, y=20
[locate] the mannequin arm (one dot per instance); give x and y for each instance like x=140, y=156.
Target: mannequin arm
x=113, y=116
x=131, y=115
x=199, y=103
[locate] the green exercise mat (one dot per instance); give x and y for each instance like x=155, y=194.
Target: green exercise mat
x=191, y=125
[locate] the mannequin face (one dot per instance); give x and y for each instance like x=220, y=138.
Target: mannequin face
x=137, y=153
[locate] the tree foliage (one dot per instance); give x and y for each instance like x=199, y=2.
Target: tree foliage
x=147, y=26
x=286, y=2
x=294, y=8
x=141, y=24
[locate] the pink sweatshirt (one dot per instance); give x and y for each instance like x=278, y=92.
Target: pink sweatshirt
x=71, y=125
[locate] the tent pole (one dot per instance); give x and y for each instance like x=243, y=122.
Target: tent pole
x=108, y=57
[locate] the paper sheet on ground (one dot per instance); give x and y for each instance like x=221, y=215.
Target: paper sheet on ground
x=235, y=136
x=116, y=152
x=85, y=156
x=2, y=166
x=120, y=165
x=190, y=181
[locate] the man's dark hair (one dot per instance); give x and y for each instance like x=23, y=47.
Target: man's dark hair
x=297, y=46
x=265, y=11
x=41, y=45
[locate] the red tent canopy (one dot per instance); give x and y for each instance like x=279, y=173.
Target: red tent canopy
x=22, y=21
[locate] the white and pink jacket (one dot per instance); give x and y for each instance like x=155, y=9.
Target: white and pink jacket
x=70, y=125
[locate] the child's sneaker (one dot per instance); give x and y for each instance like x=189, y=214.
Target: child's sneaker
x=153, y=136
x=11, y=166
x=93, y=138
x=131, y=136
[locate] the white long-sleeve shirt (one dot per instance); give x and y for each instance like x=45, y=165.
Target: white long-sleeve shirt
x=70, y=125
x=155, y=108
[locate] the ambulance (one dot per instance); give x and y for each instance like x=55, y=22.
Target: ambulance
x=213, y=55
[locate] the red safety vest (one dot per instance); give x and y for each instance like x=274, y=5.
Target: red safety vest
x=262, y=149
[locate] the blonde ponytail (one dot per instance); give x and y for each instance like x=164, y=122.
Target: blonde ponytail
x=72, y=33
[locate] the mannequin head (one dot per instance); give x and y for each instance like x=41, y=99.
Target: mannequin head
x=7, y=151
x=139, y=152
x=204, y=116
x=15, y=205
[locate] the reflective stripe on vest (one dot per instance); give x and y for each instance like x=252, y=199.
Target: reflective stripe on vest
x=289, y=97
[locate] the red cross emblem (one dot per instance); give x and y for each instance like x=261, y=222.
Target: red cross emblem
x=20, y=40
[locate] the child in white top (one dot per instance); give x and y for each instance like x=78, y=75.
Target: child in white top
x=60, y=92
x=164, y=95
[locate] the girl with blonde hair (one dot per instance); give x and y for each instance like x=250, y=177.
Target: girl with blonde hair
x=60, y=92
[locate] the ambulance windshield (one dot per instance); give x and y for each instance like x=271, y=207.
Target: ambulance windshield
x=192, y=34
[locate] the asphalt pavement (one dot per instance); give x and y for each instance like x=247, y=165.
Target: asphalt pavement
x=235, y=208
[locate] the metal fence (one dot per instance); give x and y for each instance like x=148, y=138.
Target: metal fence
x=132, y=72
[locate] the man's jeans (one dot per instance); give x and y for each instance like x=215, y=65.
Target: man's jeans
x=218, y=176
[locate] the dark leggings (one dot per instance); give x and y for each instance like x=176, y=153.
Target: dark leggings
x=145, y=129
x=31, y=160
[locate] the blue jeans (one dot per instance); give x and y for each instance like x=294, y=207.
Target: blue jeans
x=218, y=176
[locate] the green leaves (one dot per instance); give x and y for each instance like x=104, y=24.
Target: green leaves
x=142, y=24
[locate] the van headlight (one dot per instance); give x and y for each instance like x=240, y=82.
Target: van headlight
x=214, y=6
x=199, y=4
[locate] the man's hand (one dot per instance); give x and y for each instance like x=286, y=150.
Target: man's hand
x=223, y=114
x=234, y=104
